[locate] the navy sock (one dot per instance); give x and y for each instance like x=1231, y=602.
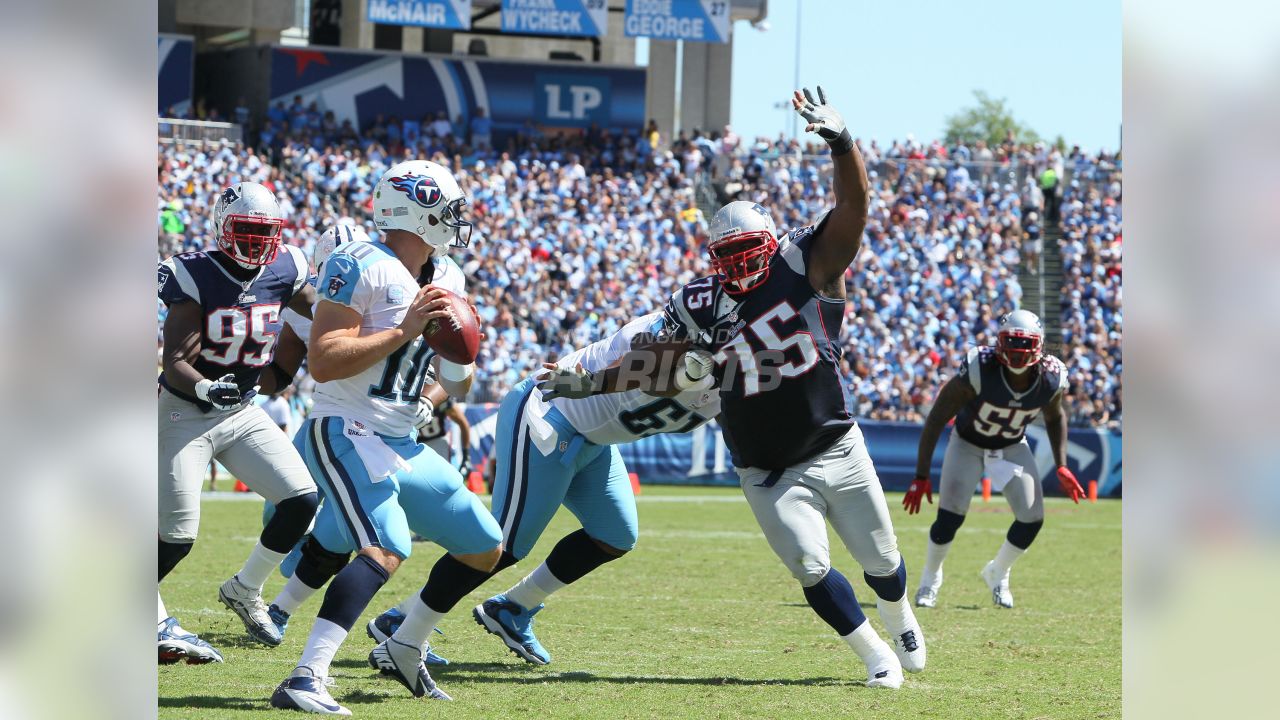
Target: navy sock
x=289, y=523
x=318, y=565
x=1021, y=534
x=832, y=598
x=449, y=582
x=170, y=554
x=890, y=587
x=576, y=555
x=351, y=591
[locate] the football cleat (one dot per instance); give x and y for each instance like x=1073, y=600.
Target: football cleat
x=247, y=603
x=308, y=694
x=885, y=671
x=279, y=618
x=1000, y=594
x=514, y=625
x=404, y=663
x=926, y=597
x=386, y=624
x=177, y=644
x=908, y=638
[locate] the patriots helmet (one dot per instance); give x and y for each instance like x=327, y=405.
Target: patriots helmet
x=248, y=220
x=333, y=237
x=743, y=239
x=1019, y=340
x=423, y=198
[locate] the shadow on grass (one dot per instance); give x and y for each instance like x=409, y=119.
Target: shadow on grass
x=586, y=677
x=213, y=702
x=864, y=604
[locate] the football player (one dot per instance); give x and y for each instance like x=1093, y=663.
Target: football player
x=219, y=336
x=995, y=394
x=564, y=452
x=370, y=361
x=436, y=432
x=769, y=321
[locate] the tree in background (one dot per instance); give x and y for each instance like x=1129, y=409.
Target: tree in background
x=990, y=120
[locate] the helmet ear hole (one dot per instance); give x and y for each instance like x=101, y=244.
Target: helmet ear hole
x=432, y=221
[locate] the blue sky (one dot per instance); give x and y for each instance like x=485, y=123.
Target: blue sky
x=894, y=67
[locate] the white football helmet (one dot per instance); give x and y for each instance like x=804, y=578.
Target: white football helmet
x=247, y=220
x=743, y=239
x=1019, y=340
x=333, y=237
x=423, y=198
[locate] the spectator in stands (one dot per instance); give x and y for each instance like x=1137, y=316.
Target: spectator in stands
x=481, y=130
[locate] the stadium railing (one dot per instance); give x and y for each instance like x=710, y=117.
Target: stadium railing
x=199, y=132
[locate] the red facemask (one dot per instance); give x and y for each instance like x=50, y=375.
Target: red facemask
x=742, y=260
x=251, y=239
x=1018, y=349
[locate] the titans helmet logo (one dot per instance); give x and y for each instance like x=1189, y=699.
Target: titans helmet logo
x=421, y=189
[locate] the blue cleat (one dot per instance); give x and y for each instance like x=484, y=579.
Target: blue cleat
x=514, y=625
x=386, y=624
x=279, y=618
x=308, y=694
x=177, y=644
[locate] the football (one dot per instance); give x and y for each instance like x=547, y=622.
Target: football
x=457, y=340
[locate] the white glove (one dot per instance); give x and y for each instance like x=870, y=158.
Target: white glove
x=698, y=364
x=824, y=120
x=426, y=411
x=572, y=383
x=222, y=394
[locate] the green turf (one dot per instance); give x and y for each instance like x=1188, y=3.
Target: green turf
x=703, y=621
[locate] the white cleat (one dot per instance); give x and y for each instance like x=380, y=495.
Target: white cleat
x=307, y=694
x=246, y=602
x=885, y=671
x=999, y=586
x=927, y=595
x=904, y=630
x=405, y=664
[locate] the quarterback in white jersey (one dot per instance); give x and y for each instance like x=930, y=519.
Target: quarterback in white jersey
x=369, y=360
x=564, y=452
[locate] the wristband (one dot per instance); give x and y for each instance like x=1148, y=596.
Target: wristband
x=453, y=372
x=202, y=388
x=841, y=144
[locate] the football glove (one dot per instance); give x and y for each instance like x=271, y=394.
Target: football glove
x=824, y=120
x=919, y=487
x=426, y=410
x=1070, y=486
x=698, y=364
x=222, y=394
x=572, y=383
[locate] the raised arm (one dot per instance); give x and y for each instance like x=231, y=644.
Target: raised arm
x=839, y=237
x=953, y=396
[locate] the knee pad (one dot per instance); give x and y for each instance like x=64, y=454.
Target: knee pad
x=290, y=521
x=944, y=528
x=319, y=565
x=1022, y=534
x=170, y=554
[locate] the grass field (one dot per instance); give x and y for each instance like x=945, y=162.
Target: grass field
x=701, y=620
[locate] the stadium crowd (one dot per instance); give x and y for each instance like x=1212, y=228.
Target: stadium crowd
x=576, y=235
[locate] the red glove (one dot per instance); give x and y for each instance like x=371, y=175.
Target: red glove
x=919, y=487
x=1070, y=486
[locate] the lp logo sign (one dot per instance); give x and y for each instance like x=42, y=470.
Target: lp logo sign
x=573, y=100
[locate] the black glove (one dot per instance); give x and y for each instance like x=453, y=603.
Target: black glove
x=824, y=120
x=222, y=394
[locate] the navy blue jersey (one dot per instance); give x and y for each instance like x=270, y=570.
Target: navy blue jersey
x=998, y=417
x=241, y=318
x=778, y=359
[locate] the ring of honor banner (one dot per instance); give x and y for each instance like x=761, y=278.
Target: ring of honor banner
x=448, y=14
x=693, y=20
x=701, y=458
x=578, y=18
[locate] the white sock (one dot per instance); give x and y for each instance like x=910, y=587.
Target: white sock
x=323, y=643
x=1006, y=557
x=866, y=643
x=533, y=590
x=258, y=566
x=407, y=603
x=293, y=594
x=933, y=563
x=418, y=623
x=161, y=613
x=894, y=613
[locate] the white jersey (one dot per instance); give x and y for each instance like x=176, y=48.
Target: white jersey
x=370, y=279
x=616, y=418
